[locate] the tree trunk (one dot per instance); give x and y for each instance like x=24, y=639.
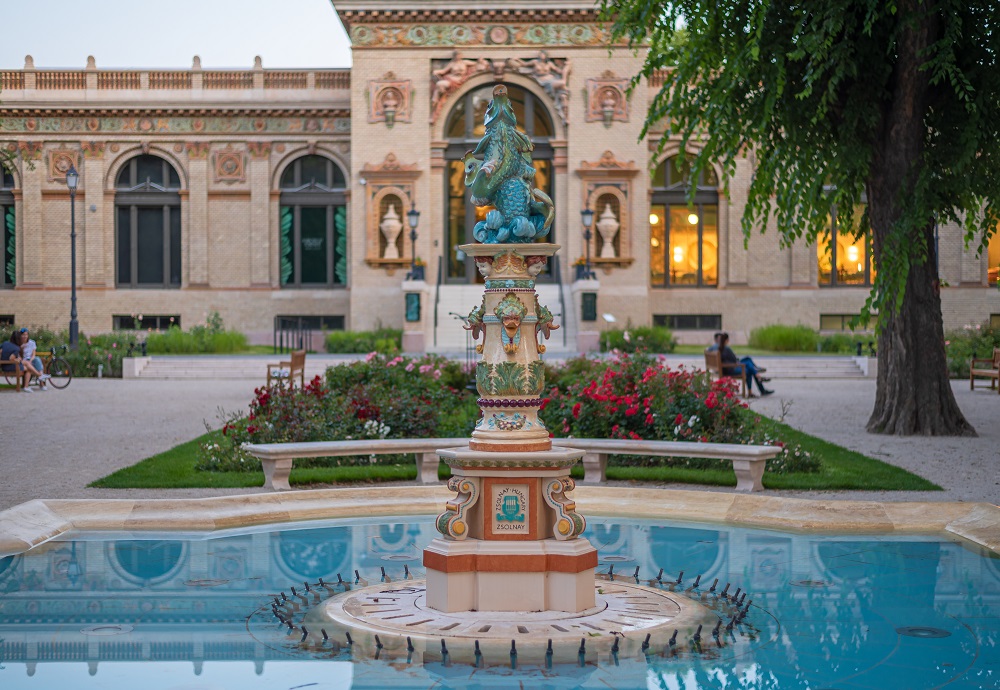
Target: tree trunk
x=913, y=394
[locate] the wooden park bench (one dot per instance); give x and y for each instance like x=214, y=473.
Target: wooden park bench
x=289, y=370
x=748, y=461
x=713, y=365
x=986, y=369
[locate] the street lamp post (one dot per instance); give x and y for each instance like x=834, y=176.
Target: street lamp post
x=413, y=218
x=587, y=217
x=72, y=180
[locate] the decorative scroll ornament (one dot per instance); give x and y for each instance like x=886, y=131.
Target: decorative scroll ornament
x=511, y=312
x=389, y=100
x=505, y=179
x=60, y=161
x=453, y=522
x=569, y=524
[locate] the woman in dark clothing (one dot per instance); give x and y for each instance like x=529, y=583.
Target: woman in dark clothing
x=753, y=372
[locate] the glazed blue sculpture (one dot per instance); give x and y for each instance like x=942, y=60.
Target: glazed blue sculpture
x=505, y=180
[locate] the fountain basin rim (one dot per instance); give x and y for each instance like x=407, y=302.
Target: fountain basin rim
x=522, y=248
x=35, y=522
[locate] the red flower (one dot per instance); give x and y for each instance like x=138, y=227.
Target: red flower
x=679, y=419
x=632, y=411
x=251, y=429
x=576, y=411
x=649, y=419
x=545, y=402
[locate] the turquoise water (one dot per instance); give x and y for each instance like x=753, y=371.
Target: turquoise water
x=169, y=611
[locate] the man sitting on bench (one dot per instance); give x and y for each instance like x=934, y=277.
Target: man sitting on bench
x=753, y=372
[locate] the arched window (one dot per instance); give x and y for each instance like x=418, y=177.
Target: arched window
x=464, y=129
x=313, y=224
x=846, y=262
x=8, y=229
x=684, y=239
x=148, y=224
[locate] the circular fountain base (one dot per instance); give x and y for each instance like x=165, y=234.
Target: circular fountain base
x=631, y=614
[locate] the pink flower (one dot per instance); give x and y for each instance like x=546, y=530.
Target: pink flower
x=424, y=368
x=437, y=374
x=370, y=356
x=411, y=366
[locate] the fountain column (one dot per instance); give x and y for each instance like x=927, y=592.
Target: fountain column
x=510, y=539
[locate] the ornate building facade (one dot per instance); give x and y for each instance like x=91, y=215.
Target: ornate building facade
x=266, y=193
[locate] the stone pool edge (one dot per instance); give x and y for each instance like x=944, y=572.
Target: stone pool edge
x=35, y=522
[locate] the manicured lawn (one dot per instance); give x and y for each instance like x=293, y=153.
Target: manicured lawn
x=842, y=469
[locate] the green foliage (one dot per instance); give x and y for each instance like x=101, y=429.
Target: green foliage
x=286, y=217
x=833, y=98
x=380, y=397
x=656, y=339
x=382, y=340
x=782, y=338
x=210, y=338
x=637, y=397
x=106, y=350
x=972, y=340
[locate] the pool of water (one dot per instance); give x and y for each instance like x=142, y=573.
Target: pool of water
x=172, y=611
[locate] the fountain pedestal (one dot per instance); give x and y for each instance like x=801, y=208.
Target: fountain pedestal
x=511, y=537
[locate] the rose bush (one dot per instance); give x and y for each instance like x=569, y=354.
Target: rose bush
x=637, y=397
x=381, y=397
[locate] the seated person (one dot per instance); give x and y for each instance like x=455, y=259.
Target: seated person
x=727, y=356
x=10, y=352
x=715, y=343
x=28, y=350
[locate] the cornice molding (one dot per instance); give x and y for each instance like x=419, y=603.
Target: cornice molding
x=434, y=16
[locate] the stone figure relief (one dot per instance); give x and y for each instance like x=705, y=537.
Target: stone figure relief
x=550, y=75
x=453, y=75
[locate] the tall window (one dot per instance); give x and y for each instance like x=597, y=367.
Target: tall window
x=844, y=260
x=993, y=259
x=464, y=130
x=8, y=227
x=313, y=224
x=148, y=224
x=683, y=238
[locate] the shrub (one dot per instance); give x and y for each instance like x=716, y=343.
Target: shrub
x=386, y=341
x=972, y=340
x=380, y=397
x=637, y=397
x=209, y=338
x=842, y=343
x=782, y=338
x=656, y=339
x=105, y=351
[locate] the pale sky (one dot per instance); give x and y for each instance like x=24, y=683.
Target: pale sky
x=127, y=33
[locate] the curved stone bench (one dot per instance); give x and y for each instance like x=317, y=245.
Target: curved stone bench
x=277, y=458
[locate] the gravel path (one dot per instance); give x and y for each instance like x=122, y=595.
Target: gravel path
x=95, y=427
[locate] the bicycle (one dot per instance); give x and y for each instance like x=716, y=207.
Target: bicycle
x=59, y=371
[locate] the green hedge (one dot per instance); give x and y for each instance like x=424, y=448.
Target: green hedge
x=207, y=339
x=105, y=351
x=973, y=340
x=382, y=340
x=655, y=339
x=783, y=338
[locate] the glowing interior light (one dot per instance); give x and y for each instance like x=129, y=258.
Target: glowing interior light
x=693, y=218
x=852, y=254
x=653, y=219
x=653, y=241
x=678, y=254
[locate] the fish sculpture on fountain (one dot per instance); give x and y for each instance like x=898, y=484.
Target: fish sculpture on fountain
x=505, y=179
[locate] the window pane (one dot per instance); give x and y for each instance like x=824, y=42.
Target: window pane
x=149, y=168
x=288, y=177
x=480, y=101
x=851, y=260
x=543, y=175
x=657, y=244
x=175, y=181
x=456, y=218
x=543, y=125
x=456, y=126
x=660, y=176
x=124, y=245
x=175, y=245
x=824, y=257
x=313, y=243
x=710, y=245
x=314, y=170
x=993, y=258
x=517, y=102
x=683, y=250
x=149, y=243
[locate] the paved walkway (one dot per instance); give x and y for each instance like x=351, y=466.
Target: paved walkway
x=53, y=444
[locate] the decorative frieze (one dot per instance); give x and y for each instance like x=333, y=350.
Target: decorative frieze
x=259, y=149
x=92, y=149
x=197, y=150
x=387, y=35
x=177, y=125
x=30, y=150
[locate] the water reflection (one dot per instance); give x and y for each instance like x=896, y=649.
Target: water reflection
x=87, y=609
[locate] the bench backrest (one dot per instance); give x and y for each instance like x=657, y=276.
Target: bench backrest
x=298, y=360
x=713, y=361
x=996, y=358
